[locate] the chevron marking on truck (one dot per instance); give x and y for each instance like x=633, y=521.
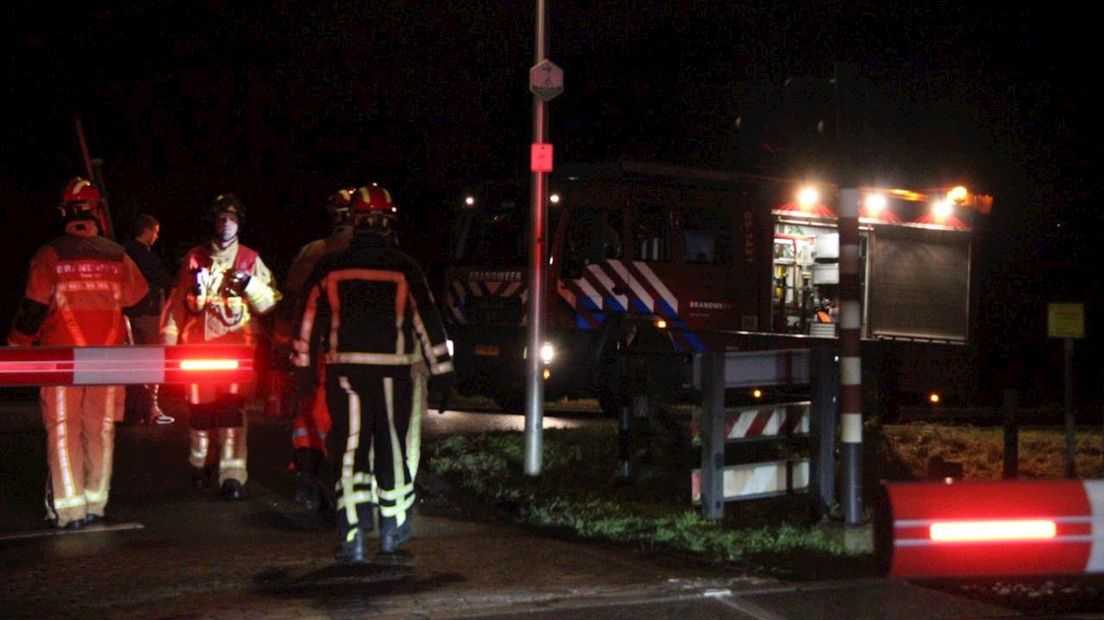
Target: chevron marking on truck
x=642, y=296
x=657, y=284
x=616, y=303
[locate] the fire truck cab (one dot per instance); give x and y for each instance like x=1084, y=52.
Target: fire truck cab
x=654, y=257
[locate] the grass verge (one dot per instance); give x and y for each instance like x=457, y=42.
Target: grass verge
x=577, y=495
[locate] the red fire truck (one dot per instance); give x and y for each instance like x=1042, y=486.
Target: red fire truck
x=658, y=257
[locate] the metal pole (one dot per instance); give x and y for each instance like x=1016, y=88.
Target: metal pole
x=712, y=435
x=1009, y=404
x=1071, y=430
x=534, y=394
x=822, y=374
x=850, y=356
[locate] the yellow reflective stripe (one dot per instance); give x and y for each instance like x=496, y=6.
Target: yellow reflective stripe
x=441, y=368
x=397, y=493
x=301, y=360
x=440, y=349
x=62, y=445
x=398, y=511
x=107, y=434
x=414, y=431
x=363, y=478
x=397, y=464
x=70, y=320
x=225, y=464
x=377, y=359
x=69, y=502
x=261, y=296
x=351, y=445
x=95, y=497
x=300, y=346
x=201, y=441
x=355, y=499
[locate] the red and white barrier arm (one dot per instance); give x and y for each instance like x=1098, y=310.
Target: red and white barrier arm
x=125, y=365
x=1011, y=527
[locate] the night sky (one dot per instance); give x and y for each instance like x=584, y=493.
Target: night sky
x=184, y=100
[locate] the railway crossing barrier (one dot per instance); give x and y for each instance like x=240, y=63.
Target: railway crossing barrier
x=990, y=528
x=125, y=365
x=714, y=483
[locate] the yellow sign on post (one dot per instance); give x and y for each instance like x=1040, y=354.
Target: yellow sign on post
x=1066, y=320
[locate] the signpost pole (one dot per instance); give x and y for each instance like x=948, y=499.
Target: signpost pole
x=1067, y=321
x=1071, y=452
x=534, y=381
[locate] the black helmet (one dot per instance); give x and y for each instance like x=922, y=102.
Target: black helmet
x=227, y=203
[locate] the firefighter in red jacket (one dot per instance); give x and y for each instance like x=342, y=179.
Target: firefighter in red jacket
x=77, y=288
x=369, y=316
x=312, y=418
x=220, y=289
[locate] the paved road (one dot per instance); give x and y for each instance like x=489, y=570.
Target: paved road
x=189, y=554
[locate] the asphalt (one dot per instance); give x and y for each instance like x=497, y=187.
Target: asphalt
x=172, y=552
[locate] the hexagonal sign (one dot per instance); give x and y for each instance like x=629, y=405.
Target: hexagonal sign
x=546, y=80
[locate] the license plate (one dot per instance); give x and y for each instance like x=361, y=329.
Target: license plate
x=486, y=350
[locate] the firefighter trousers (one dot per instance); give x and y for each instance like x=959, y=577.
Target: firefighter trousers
x=376, y=412
x=217, y=416
x=312, y=421
x=80, y=445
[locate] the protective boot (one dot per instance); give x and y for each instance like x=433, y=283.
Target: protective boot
x=232, y=490
x=351, y=547
x=393, y=535
x=308, y=483
x=351, y=539
x=203, y=477
x=156, y=415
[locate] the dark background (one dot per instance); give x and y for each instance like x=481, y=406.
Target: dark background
x=282, y=104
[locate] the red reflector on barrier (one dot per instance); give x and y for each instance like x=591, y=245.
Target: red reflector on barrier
x=209, y=365
x=973, y=531
x=1012, y=527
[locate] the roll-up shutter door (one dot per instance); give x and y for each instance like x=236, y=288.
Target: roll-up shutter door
x=919, y=283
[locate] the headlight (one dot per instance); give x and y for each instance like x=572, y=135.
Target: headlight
x=449, y=345
x=547, y=352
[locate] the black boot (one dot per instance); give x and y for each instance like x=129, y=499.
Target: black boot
x=393, y=535
x=308, y=484
x=232, y=489
x=203, y=477
x=351, y=547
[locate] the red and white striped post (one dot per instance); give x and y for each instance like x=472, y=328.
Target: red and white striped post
x=147, y=364
x=850, y=341
x=989, y=528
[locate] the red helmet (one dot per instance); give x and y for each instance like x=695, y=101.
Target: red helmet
x=339, y=203
x=80, y=200
x=373, y=200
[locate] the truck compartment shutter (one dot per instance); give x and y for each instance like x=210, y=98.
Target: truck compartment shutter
x=919, y=283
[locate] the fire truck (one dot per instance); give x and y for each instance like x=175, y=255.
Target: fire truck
x=655, y=257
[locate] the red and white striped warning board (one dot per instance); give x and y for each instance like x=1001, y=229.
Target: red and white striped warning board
x=757, y=479
x=783, y=420
x=1011, y=527
x=123, y=365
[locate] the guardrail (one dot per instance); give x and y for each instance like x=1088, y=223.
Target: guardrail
x=714, y=483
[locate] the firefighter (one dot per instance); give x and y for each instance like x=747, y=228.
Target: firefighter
x=312, y=418
x=369, y=316
x=76, y=291
x=220, y=290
